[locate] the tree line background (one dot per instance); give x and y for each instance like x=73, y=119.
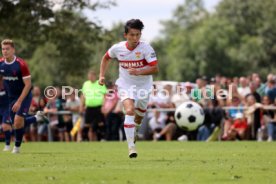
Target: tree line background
x=61, y=45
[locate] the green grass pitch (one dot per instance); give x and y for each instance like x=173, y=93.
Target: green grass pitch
x=157, y=163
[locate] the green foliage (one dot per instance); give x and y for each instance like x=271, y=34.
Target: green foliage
x=238, y=39
x=61, y=45
x=58, y=45
x=107, y=39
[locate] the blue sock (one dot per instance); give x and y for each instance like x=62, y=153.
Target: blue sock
x=18, y=136
x=7, y=137
x=29, y=120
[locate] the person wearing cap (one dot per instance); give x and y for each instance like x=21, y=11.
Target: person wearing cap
x=238, y=128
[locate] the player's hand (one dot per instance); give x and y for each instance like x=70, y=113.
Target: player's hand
x=133, y=71
x=101, y=81
x=16, y=106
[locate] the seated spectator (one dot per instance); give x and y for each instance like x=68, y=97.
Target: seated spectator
x=268, y=128
x=170, y=130
x=238, y=128
x=156, y=123
x=236, y=107
x=213, y=117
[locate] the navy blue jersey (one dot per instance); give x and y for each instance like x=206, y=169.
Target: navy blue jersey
x=4, y=101
x=13, y=74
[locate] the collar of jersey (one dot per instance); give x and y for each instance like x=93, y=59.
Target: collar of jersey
x=9, y=63
x=131, y=48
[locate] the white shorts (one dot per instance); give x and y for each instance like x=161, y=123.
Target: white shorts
x=140, y=97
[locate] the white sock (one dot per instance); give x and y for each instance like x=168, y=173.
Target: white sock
x=129, y=127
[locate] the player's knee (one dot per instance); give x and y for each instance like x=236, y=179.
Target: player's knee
x=18, y=122
x=129, y=111
x=6, y=127
x=138, y=119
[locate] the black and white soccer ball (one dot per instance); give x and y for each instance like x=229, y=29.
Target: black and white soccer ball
x=189, y=115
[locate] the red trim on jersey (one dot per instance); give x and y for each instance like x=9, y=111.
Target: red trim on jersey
x=153, y=63
x=131, y=49
x=107, y=55
x=23, y=67
x=133, y=63
x=129, y=125
x=141, y=110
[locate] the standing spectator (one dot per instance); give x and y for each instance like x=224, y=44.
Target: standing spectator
x=271, y=89
x=38, y=103
x=113, y=120
x=243, y=88
x=182, y=94
x=252, y=114
x=73, y=105
x=51, y=110
x=260, y=86
x=253, y=91
x=269, y=77
x=91, y=103
x=200, y=90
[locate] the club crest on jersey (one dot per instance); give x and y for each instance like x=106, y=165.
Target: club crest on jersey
x=138, y=55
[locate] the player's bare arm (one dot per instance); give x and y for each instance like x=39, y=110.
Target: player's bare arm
x=104, y=65
x=26, y=90
x=148, y=71
x=82, y=104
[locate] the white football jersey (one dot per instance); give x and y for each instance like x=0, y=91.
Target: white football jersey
x=141, y=57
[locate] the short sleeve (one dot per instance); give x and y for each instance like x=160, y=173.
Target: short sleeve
x=24, y=70
x=150, y=56
x=111, y=53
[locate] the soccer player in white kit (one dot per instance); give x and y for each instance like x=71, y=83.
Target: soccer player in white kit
x=137, y=63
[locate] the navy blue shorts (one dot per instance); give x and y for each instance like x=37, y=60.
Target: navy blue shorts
x=24, y=108
x=4, y=114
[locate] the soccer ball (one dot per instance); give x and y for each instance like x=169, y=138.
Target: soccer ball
x=189, y=115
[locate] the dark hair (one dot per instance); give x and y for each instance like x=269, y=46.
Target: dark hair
x=134, y=24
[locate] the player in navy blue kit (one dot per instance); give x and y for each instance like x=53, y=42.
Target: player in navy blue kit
x=17, y=81
x=4, y=115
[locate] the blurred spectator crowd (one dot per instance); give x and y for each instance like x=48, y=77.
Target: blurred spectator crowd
x=238, y=108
